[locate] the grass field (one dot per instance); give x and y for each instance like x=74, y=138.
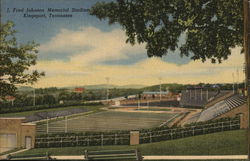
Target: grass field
x=28, y=113
x=108, y=121
x=222, y=143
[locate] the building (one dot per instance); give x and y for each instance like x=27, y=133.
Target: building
x=16, y=134
x=153, y=94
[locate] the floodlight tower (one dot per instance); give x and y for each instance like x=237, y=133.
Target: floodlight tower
x=160, y=79
x=107, y=92
x=34, y=97
x=233, y=82
x=237, y=72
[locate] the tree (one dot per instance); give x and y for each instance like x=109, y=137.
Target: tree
x=49, y=99
x=15, y=61
x=211, y=27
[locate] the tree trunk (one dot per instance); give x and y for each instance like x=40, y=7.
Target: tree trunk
x=247, y=61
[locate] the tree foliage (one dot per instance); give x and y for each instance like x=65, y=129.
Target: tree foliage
x=15, y=61
x=211, y=27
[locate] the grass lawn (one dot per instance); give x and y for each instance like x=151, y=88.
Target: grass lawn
x=28, y=113
x=222, y=143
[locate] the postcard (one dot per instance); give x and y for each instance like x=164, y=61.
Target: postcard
x=124, y=79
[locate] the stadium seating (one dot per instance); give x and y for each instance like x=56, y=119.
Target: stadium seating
x=218, y=109
x=44, y=115
x=198, y=98
x=222, y=107
x=193, y=118
x=163, y=103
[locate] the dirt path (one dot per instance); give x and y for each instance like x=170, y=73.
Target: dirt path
x=3, y=157
x=168, y=157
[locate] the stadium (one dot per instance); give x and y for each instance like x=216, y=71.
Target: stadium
x=131, y=80
x=154, y=117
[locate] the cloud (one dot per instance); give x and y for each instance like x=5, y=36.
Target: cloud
x=90, y=45
x=145, y=72
x=89, y=49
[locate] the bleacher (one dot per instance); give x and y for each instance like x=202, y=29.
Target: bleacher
x=193, y=118
x=199, y=97
x=222, y=107
x=163, y=103
x=196, y=98
x=44, y=115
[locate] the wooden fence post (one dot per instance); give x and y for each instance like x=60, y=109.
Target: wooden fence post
x=115, y=139
x=138, y=155
x=48, y=141
x=88, y=141
x=102, y=139
x=86, y=155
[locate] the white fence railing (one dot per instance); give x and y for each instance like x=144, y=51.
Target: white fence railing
x=145, y=136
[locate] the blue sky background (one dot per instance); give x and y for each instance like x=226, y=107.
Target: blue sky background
x=41, y=30
x=84, y=50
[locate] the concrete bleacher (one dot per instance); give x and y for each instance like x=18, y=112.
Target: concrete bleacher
x=193, y=118
x=45, y=115
x=222, y=107
x=163, y=103
x=199, y=97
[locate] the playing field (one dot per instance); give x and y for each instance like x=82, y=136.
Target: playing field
x=107, y=121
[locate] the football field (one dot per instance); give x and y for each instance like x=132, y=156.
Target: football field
x=107, y=121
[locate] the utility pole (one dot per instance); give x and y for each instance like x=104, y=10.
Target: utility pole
x=160, y=87
x=237, y=73
x=34, y=97
x=233, y=83
x=201, y=93
x=107, y=92
x=207, y=94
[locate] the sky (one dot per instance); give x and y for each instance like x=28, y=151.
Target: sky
x=83, y=50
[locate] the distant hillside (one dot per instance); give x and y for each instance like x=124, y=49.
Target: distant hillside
x=24, y=88
x=174, y=87
x=134, y=86
x=104, y=86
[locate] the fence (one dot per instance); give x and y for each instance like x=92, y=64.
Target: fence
x=146, y=135
x=78, y=140
x=169, y=134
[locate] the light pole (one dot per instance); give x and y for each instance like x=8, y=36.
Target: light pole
x=160, y=79
x=34, y=97
x=237, y=72
x=233, y=81
x=107, y=92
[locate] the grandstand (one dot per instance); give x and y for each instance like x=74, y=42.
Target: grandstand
x=162, y=103
x=219, y=109
x=199, y=97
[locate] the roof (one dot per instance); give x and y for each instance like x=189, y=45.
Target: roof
x=20, y=118
x=31, y=124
